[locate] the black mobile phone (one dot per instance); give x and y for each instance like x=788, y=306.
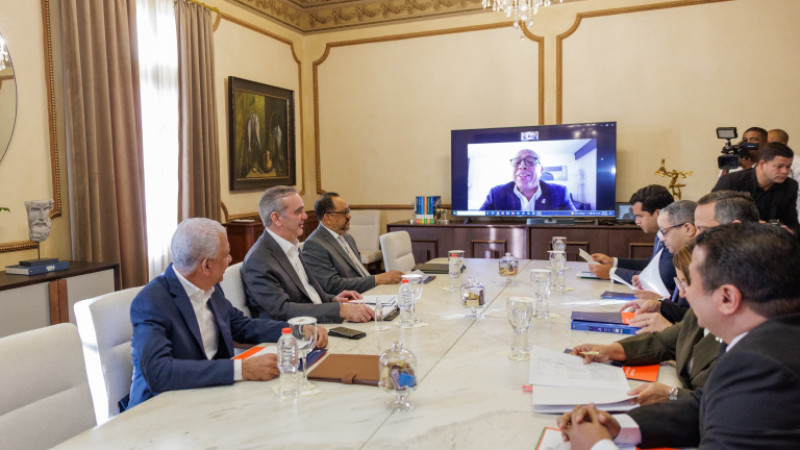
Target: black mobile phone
x=345, y=332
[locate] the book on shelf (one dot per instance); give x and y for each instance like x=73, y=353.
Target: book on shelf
x=425, y=208
x=37, y=270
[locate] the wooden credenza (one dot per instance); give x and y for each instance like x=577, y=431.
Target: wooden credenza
x=244, y=232
x=486, y=240
x=29, y=302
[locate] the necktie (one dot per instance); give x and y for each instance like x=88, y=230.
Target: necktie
x=352, y=256
x=301, y=273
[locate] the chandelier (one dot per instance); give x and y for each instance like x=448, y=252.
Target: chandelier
x=521, y=11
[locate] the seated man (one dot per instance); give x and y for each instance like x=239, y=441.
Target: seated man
x=277, y=282
x=184, y=328
x=527, y=192
x=693, y=348
x=331, y=254
x=745, y=290
x=721, y=207
x=646, y=203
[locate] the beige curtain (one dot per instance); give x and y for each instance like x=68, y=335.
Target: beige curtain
x=198, y=157
x=104, y=135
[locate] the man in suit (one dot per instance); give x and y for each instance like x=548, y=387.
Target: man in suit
x=331, y=254
x=277, y=281
x=527, y=192
x=721, y=207
x=184, y=328
x=745, y=290
x=768, y=182
x=646, y=204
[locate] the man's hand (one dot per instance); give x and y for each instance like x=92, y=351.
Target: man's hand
x=602, y=271
x=602, y=259
x=641, y=306
x=346, y=296
x=613, y=352
x=645, y=295
x=586, y=426
x=355, y=312
x=650, y=322
x=261, y=368
x=390, y=277
x=651, y=393
x=322, y=337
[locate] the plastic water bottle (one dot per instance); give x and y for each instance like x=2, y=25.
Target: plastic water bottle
x=288, y=364
x=405, y=300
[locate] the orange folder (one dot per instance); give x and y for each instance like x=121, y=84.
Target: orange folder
x=642, y=373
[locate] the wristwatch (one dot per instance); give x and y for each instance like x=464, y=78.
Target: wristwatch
x=673, y=393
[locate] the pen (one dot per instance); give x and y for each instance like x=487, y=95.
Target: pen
x=589, y=353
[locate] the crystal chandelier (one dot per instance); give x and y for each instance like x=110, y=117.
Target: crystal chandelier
x=4, y=59
x=521, y=11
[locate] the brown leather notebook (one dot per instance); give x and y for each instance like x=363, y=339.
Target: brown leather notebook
x=348, y=369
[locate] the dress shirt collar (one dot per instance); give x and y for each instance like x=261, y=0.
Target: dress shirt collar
x=525, y=204
x=333, y=233
x=192, y=291
x=736, y=340
x=286, y=246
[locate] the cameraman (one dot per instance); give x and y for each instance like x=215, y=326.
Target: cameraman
x=753, y=135
x=768, y=182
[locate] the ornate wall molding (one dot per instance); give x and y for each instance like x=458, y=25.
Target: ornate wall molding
x=602, y=13
x=308, y=16
x=320, y=190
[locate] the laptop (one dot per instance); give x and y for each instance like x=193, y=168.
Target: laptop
x=623, y=212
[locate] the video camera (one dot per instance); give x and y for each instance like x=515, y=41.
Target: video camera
x=732, y=153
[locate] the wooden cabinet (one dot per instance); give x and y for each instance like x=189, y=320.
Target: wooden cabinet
x=244, y=232
x=486, y=240
x=29, y=302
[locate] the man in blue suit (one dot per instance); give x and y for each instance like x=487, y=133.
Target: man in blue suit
x=527, y=192
x=184, y=327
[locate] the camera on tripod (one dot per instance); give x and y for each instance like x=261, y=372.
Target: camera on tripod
x=731, y=153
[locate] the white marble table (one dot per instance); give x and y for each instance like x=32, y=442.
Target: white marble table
x=469, y=393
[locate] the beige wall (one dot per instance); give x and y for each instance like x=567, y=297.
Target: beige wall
x=389, y=95
x=25, y=170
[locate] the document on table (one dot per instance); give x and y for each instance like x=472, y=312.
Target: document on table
x=551, y=440
x=388, y=302
x=615, y=277
x=651, y=277
x=586, y=256
x=561, y=381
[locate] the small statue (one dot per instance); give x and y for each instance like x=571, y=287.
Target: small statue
x=674, y=186
x=39, y=219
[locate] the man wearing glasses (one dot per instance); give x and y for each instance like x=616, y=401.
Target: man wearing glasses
x=527, y=192
x=332, y=255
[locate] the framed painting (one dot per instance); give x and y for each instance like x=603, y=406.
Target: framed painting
x=260, y=135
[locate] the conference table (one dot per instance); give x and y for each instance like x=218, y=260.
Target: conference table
x=469, y=393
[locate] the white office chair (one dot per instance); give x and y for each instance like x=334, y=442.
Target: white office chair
x=233, y=287
x=396, y=248
x=45, y=396
x=365, y=227
x=105, y=328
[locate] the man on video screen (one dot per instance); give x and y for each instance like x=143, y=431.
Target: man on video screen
x=527, y=192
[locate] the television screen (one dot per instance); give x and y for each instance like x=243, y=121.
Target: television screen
x=547, y=171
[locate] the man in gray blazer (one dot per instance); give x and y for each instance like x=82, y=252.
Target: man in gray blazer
x=277, y=281
x=331, y=254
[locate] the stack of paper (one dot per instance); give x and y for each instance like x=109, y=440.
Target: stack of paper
x=561, y=381
x=389, y=302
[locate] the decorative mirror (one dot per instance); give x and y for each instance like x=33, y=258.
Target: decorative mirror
x=8, y=98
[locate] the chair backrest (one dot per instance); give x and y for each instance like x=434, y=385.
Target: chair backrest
x=396, y=248
x=105, y=328
x=233, y=287
x=44, y=399
x=365, y=227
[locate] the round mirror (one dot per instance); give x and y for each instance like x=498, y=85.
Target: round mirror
x=8, y=98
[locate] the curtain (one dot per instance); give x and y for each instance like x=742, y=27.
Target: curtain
x=198, y=154
x=104, y=133
x=158, y=71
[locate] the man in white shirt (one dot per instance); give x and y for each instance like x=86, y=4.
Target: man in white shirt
x=277, y=281
x=745, y=290
x=184, y=327
x=332, y=255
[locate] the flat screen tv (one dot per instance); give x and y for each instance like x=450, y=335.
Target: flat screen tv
x=547, y=171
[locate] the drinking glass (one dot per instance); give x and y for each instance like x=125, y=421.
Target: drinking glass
x=455, y=263
x=519, y=311
x=379, y=324
x=559, y=243
x=541, y=279
x=558, y=262
x=304, y=329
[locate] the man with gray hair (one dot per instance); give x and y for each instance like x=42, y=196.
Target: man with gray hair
x=184, y=327
x=277, y=282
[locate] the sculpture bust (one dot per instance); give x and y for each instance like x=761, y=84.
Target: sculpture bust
x=39, y=219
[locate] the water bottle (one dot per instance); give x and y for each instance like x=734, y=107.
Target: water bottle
x=405, y=300
x=288, y=364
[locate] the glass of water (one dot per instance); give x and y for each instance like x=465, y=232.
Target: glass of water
x=559, y=243
x=520, y=311
x=558, y=263
x=541, y=280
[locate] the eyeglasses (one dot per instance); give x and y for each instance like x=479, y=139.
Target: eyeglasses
x=346, y=212
x=529, y=161
x=665, y=231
